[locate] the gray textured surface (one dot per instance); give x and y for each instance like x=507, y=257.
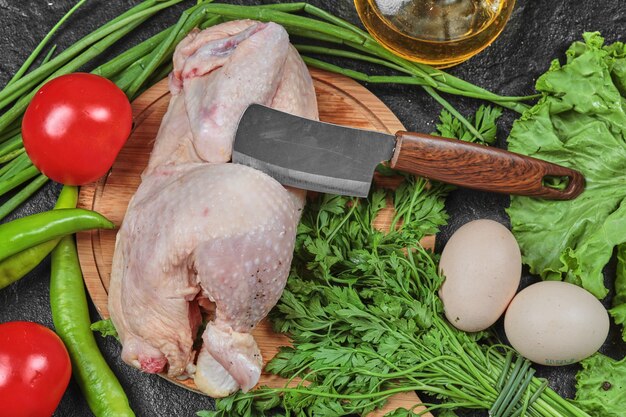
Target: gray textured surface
x=538, y=32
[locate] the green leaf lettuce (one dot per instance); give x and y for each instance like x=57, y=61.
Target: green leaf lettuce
x=580, y=122
x=601, y=386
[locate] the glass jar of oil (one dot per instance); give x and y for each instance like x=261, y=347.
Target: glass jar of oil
x=440, y=33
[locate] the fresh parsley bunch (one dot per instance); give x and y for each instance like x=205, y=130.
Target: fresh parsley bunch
x=362, y=309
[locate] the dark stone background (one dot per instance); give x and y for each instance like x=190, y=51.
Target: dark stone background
x=538, y=32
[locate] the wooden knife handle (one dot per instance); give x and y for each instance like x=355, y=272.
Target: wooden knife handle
x=481, y=167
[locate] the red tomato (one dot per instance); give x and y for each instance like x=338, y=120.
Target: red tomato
x=34, y=370
x=75, y=126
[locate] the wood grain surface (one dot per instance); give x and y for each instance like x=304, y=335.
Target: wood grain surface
x=340, y=100
x=479, y=167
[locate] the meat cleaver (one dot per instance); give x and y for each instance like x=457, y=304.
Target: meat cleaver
x=335, y=159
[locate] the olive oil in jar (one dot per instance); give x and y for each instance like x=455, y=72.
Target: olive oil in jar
x=440, y=33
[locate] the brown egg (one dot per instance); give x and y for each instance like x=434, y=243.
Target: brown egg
x=482, y=266
x=556, y=323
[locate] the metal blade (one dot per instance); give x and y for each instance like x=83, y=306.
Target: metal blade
x=308, y=154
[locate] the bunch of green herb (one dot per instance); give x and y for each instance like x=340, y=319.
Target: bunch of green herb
x=580, y=122
x=484, y=121
x=362, y=309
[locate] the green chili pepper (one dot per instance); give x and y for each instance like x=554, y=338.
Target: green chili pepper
x=26, y=232
x=20, y=264
x=70, y=314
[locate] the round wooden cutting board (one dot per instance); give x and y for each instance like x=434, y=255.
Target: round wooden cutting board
x=340, y=100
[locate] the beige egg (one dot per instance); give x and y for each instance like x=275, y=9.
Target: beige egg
x=482, y=266
x=556, y=323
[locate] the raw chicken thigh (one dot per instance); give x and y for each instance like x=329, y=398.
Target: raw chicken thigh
x=224, y=232
x=204, y=232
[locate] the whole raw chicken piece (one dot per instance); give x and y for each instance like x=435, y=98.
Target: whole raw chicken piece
x=201, y=231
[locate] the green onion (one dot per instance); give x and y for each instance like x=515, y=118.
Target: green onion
x=20, y=163
x=18, y=179
x=142, y=65
x=23, y=195
x=125, y=60
x=350, y=55
x=97, y=45
x=11, y=155
x=42, y=44
x=10, y=132
x=121, y=24
x=10, y=145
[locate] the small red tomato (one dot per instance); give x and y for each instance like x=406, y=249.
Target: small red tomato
x=34, y=370
x=75, y=126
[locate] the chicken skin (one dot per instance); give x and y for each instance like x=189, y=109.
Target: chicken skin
x=201, y=231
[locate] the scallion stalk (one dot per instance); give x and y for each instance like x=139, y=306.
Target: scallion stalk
x=17, y=179
x=20, y=163
x=24, y=194
x=102, y=43
x=143, y=11
x=11, y=155
x=31, y=58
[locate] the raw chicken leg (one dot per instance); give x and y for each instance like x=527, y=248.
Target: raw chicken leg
x=201, y=230
x=221, y=231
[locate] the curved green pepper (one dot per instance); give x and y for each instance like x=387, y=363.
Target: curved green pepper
x=26, y=232
x=70, y=314
x=20, y=264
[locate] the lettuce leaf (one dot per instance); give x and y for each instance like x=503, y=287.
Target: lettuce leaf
x=579, y=122
x=619, y=300
x=601, y=386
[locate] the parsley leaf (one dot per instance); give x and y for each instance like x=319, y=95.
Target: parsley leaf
x=105, y=327
x=484, y=121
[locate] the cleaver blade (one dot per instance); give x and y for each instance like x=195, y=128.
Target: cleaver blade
x=335, y=159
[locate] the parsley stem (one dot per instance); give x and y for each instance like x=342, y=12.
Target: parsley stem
x=508, y=390
x=521, y=389
x=502, y=379
x=385, y=393
x=355, y=203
